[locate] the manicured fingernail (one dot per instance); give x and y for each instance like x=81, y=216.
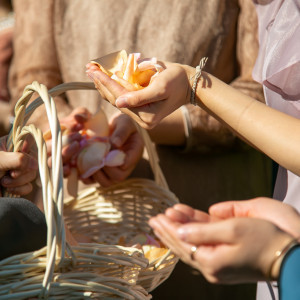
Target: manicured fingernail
x=121, y=102
x=181, y=233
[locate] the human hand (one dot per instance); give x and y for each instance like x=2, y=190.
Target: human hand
x=281, y=214
x=168, y=91
x=124, y=136
x=73, y=123
x=228, y=251
x=183, y=213
x=17, y=170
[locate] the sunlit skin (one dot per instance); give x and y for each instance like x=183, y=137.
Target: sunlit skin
x=122, y=135
x=236, y=241
x=17, y=170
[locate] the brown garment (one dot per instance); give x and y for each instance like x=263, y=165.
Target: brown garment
x=6, y=52
x=56, y=38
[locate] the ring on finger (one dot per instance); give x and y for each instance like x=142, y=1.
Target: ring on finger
x=193, y=251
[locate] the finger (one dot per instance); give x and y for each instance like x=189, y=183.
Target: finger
x=115, y=174
x=122, y=127
x=207, y=233
x=81, y=114
x=88, y=181
x=246, y=208
x=281, y=214
x=66, y=170
x=177, y=216
x=8, y=181
x=111, y=85
x=102, y=179
x=17, y=160
x=20, y=190
x=191, y=213
x=66, y=140
x=153, y=93
x=166, y=230
x=104, y=92
x=69, y=151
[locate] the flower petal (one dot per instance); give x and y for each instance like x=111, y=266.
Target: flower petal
x=97, y=125
x=91, y=171
x=92, y=157
x=114, y=158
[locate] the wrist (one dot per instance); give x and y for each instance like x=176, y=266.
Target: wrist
x=279, y=257
x=190, y=73
x=195, y=80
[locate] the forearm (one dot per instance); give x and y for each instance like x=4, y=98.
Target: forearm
x=263, y=127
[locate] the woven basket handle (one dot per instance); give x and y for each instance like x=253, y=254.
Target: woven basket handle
x=153, y=157
x=52, y=182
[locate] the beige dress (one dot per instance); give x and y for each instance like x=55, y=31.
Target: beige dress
x=6, y=51
x=54, y=40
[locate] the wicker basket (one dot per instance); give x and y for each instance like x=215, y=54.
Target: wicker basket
x=102, y=269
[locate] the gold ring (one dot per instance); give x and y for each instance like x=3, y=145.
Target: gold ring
x=193, y=251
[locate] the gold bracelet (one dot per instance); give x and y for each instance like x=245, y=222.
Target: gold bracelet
x=279, y=255
x=197, y=76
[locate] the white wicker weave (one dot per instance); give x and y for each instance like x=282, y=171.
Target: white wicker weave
x=102, y=269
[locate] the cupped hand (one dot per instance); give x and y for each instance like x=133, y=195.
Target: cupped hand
x=168, y=91
x=283, y=215
x=17, y=170
x=228, y=251
x=183, y=213
x=124, y=136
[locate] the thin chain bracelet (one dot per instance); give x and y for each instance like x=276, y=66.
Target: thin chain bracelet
x=197, y=76
x=279, y=255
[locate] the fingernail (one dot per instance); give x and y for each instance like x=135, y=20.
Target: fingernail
x=181, y=233
x=121, y=102
x=116, y=141
x=152, y=222
x=6, y=180
x=90, y=75
x=82, y=115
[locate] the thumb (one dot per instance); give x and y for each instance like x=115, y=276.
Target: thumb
x=122, y=130
x=152, y=93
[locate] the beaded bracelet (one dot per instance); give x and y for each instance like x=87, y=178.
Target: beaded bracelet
x=279, y=255
x=197, y=76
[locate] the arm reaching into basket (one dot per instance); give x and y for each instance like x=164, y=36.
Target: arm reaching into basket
x=17, y=170
x=98, y=150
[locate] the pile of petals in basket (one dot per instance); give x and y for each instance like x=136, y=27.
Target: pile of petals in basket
x=95, y=150
x=151, y=247
x=127, y=69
